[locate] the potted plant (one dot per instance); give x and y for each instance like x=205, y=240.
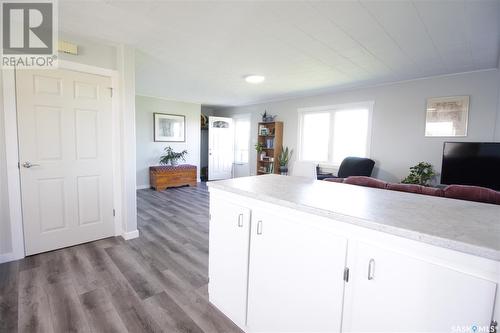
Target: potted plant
x=283, y=159
x=171, y=157
x=420, y=174
x=259, y=147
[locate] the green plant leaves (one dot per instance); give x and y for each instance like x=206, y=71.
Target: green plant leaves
x=420, y=174
x=172, y=156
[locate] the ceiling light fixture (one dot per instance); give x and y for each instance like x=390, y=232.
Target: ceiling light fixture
x=254, y=79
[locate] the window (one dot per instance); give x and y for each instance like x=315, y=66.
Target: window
x=330, y=134
x=241, y=139
x=315, y=136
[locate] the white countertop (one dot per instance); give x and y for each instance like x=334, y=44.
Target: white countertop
x=465, y=226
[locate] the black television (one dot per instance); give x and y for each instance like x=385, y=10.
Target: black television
x=471, y=163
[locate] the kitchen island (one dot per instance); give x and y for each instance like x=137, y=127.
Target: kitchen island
x=291, y=254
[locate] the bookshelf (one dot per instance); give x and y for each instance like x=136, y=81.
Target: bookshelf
x=270, y=135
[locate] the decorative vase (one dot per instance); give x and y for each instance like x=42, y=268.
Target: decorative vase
x=283, y=170
x=173, y=162
x=262, y=155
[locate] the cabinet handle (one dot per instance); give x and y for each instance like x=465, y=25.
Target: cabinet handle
x=371, y=269
x=259, y=227
x=240, y=220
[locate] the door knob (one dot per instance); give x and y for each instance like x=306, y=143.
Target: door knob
x=28, y=165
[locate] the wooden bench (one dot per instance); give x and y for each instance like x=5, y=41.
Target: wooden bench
x=162, y=177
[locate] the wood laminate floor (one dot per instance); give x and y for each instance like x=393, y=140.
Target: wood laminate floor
x=155, y=283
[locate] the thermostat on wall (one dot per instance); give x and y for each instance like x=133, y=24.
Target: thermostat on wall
x=67, y=47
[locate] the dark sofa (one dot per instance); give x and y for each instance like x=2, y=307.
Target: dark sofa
x=462, y=192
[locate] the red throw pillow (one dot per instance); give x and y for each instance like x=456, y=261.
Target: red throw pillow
x=472, y=193
x=414, y=188
x=434, y=191
x=411, y=188
x=365, y=181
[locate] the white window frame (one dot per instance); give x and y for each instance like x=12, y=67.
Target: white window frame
x=247, y=116
x=332, y=109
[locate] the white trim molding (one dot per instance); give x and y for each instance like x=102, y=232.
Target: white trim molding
x=130, y=235
x=11, y=256
x=126, y=63
x=12, y=159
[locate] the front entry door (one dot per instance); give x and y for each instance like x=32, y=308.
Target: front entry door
x=220, y=148
x=65, y=134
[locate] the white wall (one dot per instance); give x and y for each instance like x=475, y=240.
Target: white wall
x=93, y=53
x=398, y=140
x=148, y=151
x=5, y=232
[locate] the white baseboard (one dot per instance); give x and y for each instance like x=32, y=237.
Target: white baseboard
x=142, y=187
x=130, y=234
x=11, y=256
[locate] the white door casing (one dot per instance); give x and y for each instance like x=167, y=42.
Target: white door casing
x=242, y=130
x=220, y=148
x=65, y=132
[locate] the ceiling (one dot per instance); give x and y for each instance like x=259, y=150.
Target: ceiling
x=200, y=51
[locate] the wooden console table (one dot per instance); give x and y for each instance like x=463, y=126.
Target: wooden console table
x=162, y=177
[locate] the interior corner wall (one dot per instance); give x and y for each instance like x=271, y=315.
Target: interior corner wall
x=398, y=124
x=148, y=151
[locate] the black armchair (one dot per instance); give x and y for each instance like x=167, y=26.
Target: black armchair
x=356, y=166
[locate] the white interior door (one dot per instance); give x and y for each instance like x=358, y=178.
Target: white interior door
x=220, y=148
x=64, y=120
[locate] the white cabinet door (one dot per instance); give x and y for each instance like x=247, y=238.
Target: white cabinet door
x=296, y=276
x=399, y=293
x=228, y=260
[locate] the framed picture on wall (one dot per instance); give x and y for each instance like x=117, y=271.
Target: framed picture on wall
x=169, y=127
x=447, y=116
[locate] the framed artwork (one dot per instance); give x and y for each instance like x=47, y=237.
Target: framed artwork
x=447, y=116
x=169, y=127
